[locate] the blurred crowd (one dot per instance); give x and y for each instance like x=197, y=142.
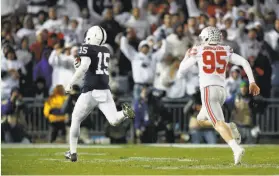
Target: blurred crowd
x=147, y=40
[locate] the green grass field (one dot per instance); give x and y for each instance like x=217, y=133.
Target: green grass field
x=138, y=160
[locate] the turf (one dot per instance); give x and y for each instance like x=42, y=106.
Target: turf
x=139, y=160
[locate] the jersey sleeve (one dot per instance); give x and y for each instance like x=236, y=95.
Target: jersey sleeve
x=229, y=50
x=184, y=66
x=239, y=60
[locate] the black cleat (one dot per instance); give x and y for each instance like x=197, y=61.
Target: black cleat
x=128, y=111
x=72, y=157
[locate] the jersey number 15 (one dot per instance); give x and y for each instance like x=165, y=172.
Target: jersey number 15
x=211, y=60
x=103, y=58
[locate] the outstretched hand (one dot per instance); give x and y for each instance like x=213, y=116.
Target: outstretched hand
x=254, y=89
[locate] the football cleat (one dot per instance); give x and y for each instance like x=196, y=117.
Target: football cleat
x=235, y=133
x=72, y=157
x=238, y=156
x=128, y=111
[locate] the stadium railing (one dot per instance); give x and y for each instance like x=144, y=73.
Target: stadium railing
x=38, y=126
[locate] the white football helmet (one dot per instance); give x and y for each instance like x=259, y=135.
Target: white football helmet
x=95, y=35
x=210, y=35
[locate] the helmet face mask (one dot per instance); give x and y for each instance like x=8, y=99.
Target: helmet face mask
x=95, y=35
x=210, y=35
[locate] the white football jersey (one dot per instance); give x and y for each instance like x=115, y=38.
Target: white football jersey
x=212, y=61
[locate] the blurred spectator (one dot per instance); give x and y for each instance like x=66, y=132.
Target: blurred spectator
x=192, y=30
x=230, y=43
x=84, y=23
x=144, y=128
x=250, y=46
x=152, y=17
x=9, y=6
x=111, y=26
x=141, y=26
x=162, y=79
x=231, y=30
x=119, y=15
x=272, y=38
x=198, y=134
x=42, y=17
x=62, y=64
x=178, y=42
x=212, y=21
x=72, y=34
x=36, y=6
x=165, y=29
x=15, y=23
x=96, y=8
x=124, y=65
x=13, y=105
x=39, y=89
x=24, y=55
x=28, y=29
x=53, y=23
x=65, y=24
x=203, y=21
x=43, y=69
x=143, y=64
x=69, y=8
x=232, y=83
x=37, y=47
x=52, y=112
x=11, y=72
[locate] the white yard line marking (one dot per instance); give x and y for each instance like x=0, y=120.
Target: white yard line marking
x=203, y=167
x=206, y=145
x=128, y=159
x=149, y=166
x=56, y=146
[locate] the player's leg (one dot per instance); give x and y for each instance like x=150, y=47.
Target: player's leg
x=82, y=109
x=113, y=116
x=213, y=99
x=235, y=133
x=203, y=119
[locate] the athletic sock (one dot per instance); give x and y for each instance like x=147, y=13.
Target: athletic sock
x=234, y=146
x=73, y=144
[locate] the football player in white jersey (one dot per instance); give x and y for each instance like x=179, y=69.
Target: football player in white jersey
x=212, y=58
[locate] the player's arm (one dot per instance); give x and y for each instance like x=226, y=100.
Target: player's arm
x=187, y=62
x=127, y=49
x=80, y=71
x=239, y=60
